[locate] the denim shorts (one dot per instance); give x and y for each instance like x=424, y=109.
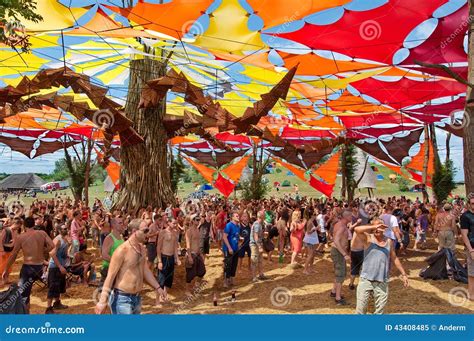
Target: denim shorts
x=125, y=304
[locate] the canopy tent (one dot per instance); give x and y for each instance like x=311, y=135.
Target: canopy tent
x=232, y=84
x=364, y=175
x=21, y=182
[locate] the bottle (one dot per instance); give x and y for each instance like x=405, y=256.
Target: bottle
x=280, y=259
x=233, y=296
x=215, y=300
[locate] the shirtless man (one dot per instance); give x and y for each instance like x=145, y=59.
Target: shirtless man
x=340, y=255
x=34, y=244
x=167, y=252
x=127, y=272
x=151, y=247
x=357, y=254
x=194, y=261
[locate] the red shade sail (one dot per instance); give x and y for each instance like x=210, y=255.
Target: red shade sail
x=374, y=35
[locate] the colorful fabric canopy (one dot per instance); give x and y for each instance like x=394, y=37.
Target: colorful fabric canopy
x=367, y=34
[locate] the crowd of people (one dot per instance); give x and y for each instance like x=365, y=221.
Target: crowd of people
x=134, y=248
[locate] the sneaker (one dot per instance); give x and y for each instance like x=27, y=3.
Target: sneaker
x=263, y=277
x=59, y=306
x=341, y=301
x=49, y=310
x=254, y=280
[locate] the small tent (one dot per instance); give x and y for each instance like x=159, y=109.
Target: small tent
x=21, y=182
x=364, y=175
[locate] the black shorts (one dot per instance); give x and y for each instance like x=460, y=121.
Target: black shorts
x=245, y=249
x=151, y=252
x=357, y=258
x=165, y=276
x=230, y=264
x=322, y=238
x=28, y=275
x=205, y=246
x=56, y=283
x=197, y=269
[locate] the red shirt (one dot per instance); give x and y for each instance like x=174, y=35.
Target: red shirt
x=221, y=218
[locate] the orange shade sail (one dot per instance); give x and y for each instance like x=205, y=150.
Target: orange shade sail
x=328, y=171
x=234, y=171
x=418, y=160
x=295, y=170
x=173, y=18
x=101, y=24
x=206, y=172
x=312, y=64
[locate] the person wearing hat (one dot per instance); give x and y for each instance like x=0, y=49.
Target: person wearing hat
x=445, y=228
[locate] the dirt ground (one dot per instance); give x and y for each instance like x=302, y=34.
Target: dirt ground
x=288, y=291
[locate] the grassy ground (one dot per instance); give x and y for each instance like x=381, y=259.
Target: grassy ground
x=288, y=291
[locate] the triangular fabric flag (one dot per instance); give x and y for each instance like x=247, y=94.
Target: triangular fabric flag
x=234, y=171
x=322, y=187
x=419, y=178
x=295, y=170
x=226, y=187
x=328, y=171
x=397, y=169
x=418, y=160
x=113, y=170
x=206, y=172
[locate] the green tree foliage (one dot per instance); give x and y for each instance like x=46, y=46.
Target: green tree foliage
x=177, y=171
x=348, y=166
x=12, y=12
x=256, y=191
x=443, y=180
x=403, y=184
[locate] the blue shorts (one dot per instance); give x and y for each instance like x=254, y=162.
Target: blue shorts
x=122, y=303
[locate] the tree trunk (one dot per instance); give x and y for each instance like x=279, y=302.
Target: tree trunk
x=448, y=146
x=90, y=145
x=427, y=154
x=468, y=120
x=145, y=177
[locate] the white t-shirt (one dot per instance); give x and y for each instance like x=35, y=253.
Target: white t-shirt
x=391, y=221
x=321, y=222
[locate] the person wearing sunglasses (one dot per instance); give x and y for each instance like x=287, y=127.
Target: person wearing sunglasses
x=128, y=271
